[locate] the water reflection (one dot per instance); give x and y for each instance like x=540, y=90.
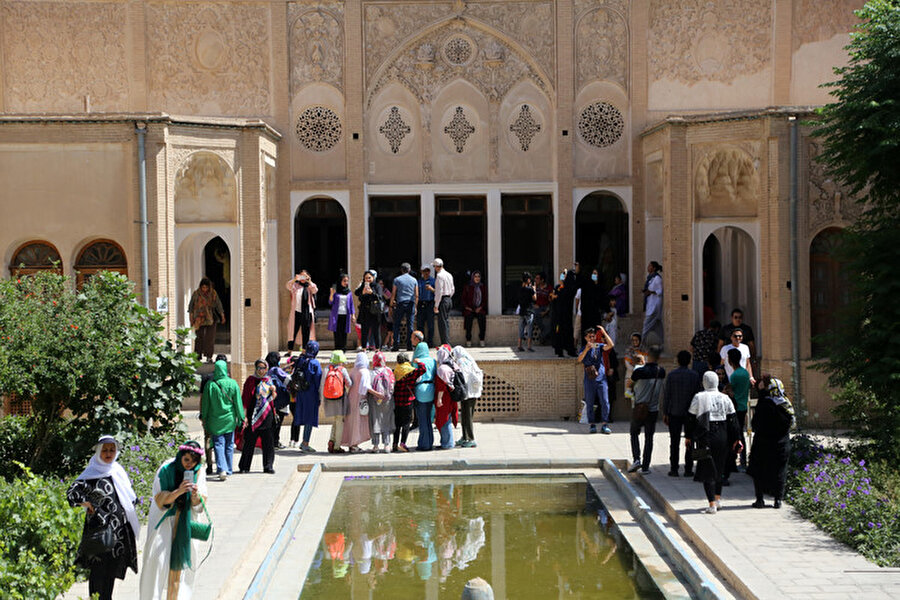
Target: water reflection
x=424, y=537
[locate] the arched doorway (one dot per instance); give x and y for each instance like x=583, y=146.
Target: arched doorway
x=601, y=236
x=828, y=288
x=217, y=267
x=320, y=243
x=101, y=255
x=731, y=277
x=32, y=257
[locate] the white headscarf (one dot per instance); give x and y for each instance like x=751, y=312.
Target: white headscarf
x=98, y=469
x=361, y=368
x=473, y=375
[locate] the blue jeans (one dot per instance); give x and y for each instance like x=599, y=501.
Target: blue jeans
x=596, y=391
x=526, y=321
x=224, y=446
x=447, y=435
x=404, y=309
x=426, y=433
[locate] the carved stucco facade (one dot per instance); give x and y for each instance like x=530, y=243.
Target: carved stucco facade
x=415, y=97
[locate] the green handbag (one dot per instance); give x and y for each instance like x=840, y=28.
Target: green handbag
x=201, y=531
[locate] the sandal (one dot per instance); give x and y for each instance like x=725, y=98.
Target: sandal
x=330, y=446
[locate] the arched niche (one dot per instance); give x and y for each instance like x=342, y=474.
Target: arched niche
x=730, y=276
x=525, y=130
x=320, y=242
x=205, y=190
x=829, y=289
x=602, y=130
x=460, y=139
x=318, y=132
x=601, y=235
x=394, y=142
x=34, y=256
x=99, y=255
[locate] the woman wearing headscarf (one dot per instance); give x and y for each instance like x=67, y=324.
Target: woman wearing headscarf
x=259, y=394
x=170, y=560
x=713, y=428
x=771, y=424
x=474, y=382
x=620, y=293
x=371, y=303
x=425, y=397
x=474, y=303
x=336, y=407
x=356, y=424
x=303, y=309
x=222, y=411
x=343, y=311
x=104, y=489
x=446, y=409
x=381, y=411
x=306, y=408
x=653, y=305
x=405, y=376
x=206, y=311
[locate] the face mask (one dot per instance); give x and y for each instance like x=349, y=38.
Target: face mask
x=593, y=277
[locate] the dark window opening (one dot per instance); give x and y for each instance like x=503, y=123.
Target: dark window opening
x=460, y=231
x=526, y=241
x=320, y=244
x=394, y=235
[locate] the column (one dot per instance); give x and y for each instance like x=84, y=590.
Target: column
x=356, y=217
x=565, y=93
x=678, y=280
x=494, y=262
x=498, y=555
x=252, y=341
x=426, y=226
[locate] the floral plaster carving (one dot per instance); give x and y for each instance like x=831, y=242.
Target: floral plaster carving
x=318, y=128
x=601, y=42
x=316, y=44
x=394, y=129
x=726, y=183
x=55, y=54
x=209, y=56
x=829, y=201
x=815, y=21
x=600, y=124
x=493, y=71
x=205, y=190
x=695, y=40
x=459, y=129
x=388, y=25
x=525, y=127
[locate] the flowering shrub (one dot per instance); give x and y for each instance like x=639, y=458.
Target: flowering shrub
x=141, y=457
x=837, y=494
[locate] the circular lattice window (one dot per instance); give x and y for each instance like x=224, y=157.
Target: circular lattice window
x=318, y=128
x=459, y=50
x=600, y=124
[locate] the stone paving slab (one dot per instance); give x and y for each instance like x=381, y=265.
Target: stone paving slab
x=766, y=553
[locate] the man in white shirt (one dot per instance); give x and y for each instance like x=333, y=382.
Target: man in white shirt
x=443, y=298
x=736, y=336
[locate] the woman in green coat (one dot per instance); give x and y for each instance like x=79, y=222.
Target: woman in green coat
x=222, y=412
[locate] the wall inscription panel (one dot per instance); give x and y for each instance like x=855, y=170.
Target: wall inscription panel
x=209, y=58
x=316, y=44
x=55, y=54
x=695, y=40
x=727, y=181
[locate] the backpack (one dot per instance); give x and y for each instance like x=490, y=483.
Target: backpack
x=299, y=382
x=381, y=383
x=334, y=384
x=459, y=392
x=282, y=396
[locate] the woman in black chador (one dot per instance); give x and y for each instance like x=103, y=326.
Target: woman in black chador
x=771, y=425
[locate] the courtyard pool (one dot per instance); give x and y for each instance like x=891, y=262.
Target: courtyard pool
x=529, y=536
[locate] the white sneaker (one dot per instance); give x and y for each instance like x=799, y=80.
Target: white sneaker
x=634, y=466
x=223, y=476
x=718, y=505
x=387, y=449
x=710, y=510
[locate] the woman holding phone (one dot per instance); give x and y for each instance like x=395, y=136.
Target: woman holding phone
x=170, y=561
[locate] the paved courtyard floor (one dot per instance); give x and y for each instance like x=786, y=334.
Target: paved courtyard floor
x=759, y=553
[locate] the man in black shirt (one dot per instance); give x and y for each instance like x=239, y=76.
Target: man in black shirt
x=681, y=385
x=527, y=297
x=737, y=322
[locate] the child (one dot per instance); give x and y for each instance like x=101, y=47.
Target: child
x=527, y=296
x=405, y=376
x=610, y=319
x=634, y=356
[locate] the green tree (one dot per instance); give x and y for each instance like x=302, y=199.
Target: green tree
x=861, y=133
x=91, y=361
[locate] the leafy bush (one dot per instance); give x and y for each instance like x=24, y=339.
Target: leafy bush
x=40, y=535
x=839, y=495
x=91, y=361
x=16, y=435
x=141, y=457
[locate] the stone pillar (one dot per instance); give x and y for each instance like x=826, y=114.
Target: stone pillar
x=356, y=217
x=640, y=23
x=253, y=341
x=426, y=226
x=161, y=214
x=494, y=263
x=565, y=95
x=678, y=218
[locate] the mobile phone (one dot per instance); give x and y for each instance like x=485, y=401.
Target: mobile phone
x=189, y=476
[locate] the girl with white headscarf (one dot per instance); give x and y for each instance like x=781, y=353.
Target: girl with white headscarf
x=474, y=381
x=356, y=424
x=105, y=490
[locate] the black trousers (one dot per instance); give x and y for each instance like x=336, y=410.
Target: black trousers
x=467, y=322
x=103, y=578
x=444, y=319
x=301, y=320
x=402, y=421
x=466, y=416
x=340, y=333
x=370, y=326
x=268, y=448
x=425, y=320
x=649, y=426
x=676, y=426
